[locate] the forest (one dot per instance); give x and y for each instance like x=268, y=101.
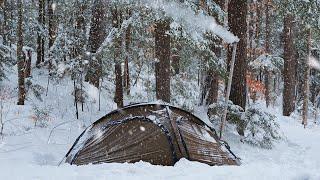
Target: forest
x=244, y=72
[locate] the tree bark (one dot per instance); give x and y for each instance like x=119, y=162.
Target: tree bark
x=28, y=64
x=20, y=55
x=267, y=48
x=40, y=39
x=116, y=22
x=162, y=65
x=238, y=25
x=126, y=64
x=51, y=24
x=3, y=20
x=306, y=83
x=212, y=83
x=258, y=28
x=289, y=67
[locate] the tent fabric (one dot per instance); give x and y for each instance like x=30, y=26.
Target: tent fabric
x=156, y=133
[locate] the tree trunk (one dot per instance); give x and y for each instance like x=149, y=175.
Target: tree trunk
x=126, y=65
x=258, y=28
x=80, y=30
x=20, y=55
x=28, y=64
x=51, y=22
x=116, y=22
x=118, y=98
x=3, y=20
x=251, y=28
x=127, y=76
x=40, y=39
x=306, y=83
x=238, y=25
x=289, y=67
x=76, y=96
x=162, y=65
x=267, y=48
x=97, y=36
x=212, y=90
x=52, y=31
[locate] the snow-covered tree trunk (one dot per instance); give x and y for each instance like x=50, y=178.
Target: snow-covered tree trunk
x=306, y=82
x=162, y=65
x=20, y=55
x=237, y=17
x=289, y=67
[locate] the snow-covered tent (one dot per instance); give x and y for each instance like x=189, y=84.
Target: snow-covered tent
x=156, y=133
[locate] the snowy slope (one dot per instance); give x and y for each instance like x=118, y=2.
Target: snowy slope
x=28, y=152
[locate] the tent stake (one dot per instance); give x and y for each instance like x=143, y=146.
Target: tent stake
x=225, y=110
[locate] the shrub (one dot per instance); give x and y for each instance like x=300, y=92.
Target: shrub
x=255, y=126
x=261, y=128
x=234, y=115
x=41, y=116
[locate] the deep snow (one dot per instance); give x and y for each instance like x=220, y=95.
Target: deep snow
x=28, y=152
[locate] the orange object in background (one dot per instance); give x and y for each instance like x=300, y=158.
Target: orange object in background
x=256, y=88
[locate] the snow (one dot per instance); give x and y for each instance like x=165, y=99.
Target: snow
x=296, y=158
x=53, y=6
x=314, y=63
x=207, y=136
x=142, y=128
x=93, y=92
x=195, y=24
x=267, y=62
x=27, y=152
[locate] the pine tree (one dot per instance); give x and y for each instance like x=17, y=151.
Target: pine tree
x=97, y=36
x=211, y=80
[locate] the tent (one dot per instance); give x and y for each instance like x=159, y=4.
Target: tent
x=157, y=133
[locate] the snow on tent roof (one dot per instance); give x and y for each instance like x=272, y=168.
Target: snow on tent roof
x=156, y=133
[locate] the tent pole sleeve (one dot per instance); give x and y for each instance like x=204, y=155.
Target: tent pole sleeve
x=176, y=132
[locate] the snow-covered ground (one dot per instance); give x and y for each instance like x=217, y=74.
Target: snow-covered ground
x=28, y=152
